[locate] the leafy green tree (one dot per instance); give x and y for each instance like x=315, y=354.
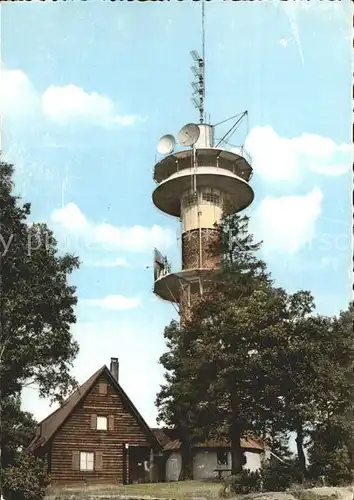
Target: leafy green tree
x=17, y=429
x=288, y=370
x=342, y=411
x=310, y=377
x=26, y=479
x=254, y=357
x=332, y=438
x=36, y=312
x=209, y=367
x=329, y=454
x=174, y=398
x=278, y=444
x=37, y=302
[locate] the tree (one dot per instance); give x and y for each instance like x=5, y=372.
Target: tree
x=288, y=370
x=17, y=430
x=252, y=356
x=343, y=407
x=36, y=309
x=332, y=438
x=173, y=400
x=37, y=303
x=310, y=378
x=329, y=454
x=210, y=383
x=278, y=443
x=26, y=479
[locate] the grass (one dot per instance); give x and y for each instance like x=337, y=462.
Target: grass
x=174, y=490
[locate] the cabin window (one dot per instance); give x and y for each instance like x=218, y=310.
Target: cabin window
x=222, y=457
x=86, y=461
x=101, y=423
x=102, y=389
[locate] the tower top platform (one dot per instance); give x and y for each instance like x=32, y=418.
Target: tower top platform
x=238, y=164
x=168, y=194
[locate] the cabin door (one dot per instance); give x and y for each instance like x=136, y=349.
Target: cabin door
x=139, y=463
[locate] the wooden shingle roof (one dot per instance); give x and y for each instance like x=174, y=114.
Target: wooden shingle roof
x=48, y=427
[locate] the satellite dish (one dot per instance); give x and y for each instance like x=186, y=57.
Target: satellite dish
x=166, y=144
x=189, y=134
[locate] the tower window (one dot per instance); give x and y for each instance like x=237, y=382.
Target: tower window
x=190, y=199
x=212, y=198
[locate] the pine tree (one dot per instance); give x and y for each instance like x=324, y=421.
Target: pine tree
x=211, y=371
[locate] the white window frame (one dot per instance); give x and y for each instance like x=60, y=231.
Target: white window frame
x=87, y=461
x=102, y=423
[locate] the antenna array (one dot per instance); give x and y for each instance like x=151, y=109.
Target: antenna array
x=199, y=84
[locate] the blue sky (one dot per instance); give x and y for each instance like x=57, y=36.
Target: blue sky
x=87, y=90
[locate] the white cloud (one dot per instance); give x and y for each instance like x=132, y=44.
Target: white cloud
x=114, y=302
x=70, y=103
x=71, y=218
x=79, y=230
x=60, y=104
x=278, y=158
x=18, y=97
x=287, y=223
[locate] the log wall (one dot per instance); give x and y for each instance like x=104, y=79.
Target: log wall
x=77, y=435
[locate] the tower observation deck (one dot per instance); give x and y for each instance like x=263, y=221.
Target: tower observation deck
x=193, y=185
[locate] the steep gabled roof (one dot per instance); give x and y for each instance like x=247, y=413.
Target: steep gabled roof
x=50, y=425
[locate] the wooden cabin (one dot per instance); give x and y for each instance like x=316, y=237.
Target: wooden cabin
x=98, y=436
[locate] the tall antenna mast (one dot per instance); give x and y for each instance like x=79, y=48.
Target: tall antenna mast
x=203, y=30
x=198, y=70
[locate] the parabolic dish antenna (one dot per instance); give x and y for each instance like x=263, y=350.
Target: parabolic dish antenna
x=189, y=134
x=166, y=144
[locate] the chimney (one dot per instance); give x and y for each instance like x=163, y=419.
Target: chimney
x=114, y=368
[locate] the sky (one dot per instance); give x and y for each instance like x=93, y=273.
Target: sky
x=86, y=90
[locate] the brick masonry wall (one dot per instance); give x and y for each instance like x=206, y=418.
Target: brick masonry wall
x=190, y=260
x=191, y=249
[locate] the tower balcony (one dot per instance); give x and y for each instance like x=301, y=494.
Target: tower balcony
x=237, y=163
x=172, y=286
x=221, y=170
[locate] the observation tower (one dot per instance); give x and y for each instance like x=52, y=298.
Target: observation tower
x=194, y=179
